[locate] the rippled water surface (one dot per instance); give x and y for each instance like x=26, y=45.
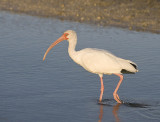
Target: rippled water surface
x=58, y=90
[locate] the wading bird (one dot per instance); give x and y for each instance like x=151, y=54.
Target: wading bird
x=96, y=61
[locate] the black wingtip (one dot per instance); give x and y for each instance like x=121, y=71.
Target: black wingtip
x=124, y=71
x=134, y=65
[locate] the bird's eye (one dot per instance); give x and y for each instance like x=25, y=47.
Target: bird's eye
x=66, y=34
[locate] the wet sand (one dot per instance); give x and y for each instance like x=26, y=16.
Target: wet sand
x=140, y=15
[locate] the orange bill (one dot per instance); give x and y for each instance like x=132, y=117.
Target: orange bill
x=63, y=37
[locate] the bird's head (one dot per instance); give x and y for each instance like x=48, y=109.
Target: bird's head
x=67, y=35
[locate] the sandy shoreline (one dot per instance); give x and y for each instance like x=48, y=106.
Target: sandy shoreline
x=140, y=15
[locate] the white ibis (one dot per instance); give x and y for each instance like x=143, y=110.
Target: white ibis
x=96, y=61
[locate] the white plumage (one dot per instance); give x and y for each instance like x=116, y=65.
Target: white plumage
x=102, y=62
x=97, y=61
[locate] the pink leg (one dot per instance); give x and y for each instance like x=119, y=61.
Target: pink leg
x=115, y=95
x=102, y=89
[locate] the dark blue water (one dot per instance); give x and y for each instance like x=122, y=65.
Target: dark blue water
x=60, y=90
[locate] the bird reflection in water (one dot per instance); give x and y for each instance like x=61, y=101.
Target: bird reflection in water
x=101, y=113
x=109, y=102
x=115, y=112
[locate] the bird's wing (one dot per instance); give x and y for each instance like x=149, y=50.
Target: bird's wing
x=99, y=61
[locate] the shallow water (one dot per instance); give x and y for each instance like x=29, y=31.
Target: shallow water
x=58, y=89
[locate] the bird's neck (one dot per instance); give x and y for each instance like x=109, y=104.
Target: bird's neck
x=72, y=46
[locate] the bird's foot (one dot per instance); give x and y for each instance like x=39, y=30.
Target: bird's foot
x=116, y=97
x=100, y=100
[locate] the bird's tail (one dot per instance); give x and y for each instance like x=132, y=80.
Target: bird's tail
x=128, y=67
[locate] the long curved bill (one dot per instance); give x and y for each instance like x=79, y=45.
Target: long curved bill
x=63, y=37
